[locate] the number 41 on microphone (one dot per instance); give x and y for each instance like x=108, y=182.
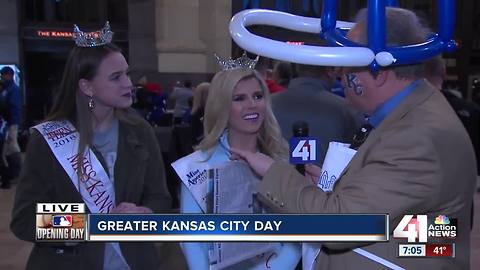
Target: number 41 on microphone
x=303, y=150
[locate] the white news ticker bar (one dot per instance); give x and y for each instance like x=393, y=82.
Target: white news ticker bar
x=60, y=208
x=239, y=238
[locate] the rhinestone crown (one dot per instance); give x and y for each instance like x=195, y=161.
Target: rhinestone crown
x=242, y=62
x=92, y=39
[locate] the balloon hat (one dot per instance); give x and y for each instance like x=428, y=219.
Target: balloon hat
x=343, y=51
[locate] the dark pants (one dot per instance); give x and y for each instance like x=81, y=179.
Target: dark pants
x=12, y=170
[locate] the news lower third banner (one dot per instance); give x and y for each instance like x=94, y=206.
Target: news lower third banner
x=237, y=227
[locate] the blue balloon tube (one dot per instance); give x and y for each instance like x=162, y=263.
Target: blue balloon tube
x=376, y=28
x=376, y=25
x=329, y=15
x=446, y=19
x=306, y=5
x=417, y=53
x=392, y=3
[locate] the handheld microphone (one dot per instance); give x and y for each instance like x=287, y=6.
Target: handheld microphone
x=300, y=129
x=361, y=136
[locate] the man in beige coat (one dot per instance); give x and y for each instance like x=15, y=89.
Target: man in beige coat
x=417, y=160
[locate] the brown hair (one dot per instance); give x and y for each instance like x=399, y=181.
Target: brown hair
x=403, y=27
x=71, y=104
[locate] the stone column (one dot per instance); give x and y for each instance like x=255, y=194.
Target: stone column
x=9, y=33
x=141, y=36
x=216, y=15
x=188, y=32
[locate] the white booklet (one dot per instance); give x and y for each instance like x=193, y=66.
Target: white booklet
x=235, y=186
x=337, y=158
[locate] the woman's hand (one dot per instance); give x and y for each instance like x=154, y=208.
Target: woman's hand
x=259, y=162
x=130, y=208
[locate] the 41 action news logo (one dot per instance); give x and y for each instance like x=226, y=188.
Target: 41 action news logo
x=418, y=229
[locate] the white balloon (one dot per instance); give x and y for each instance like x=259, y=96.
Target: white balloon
x=303, y=54
x=385, y=59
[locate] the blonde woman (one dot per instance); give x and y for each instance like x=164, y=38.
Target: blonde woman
x=238, y=114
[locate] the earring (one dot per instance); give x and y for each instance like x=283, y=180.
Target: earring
x=91, y=103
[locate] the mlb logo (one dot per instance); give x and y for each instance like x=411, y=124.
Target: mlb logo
x=62, y=221
x=303, y=150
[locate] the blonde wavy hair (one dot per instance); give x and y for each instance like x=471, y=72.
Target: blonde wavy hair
x=200, y=96
x=217, y=113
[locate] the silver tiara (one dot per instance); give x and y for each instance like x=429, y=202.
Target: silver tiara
x=241, y=62
x=92, y=39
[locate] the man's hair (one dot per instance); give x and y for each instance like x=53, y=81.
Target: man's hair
x=434, y=67
x=403, y=28
x=263, y=64
x=7, y=70
x=187, y=84
x=311, y=71
x=283, y=73
x=434, y=71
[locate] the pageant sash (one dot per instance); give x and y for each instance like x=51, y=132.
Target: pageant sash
x=195, y=173
x=95, y=186
x=224, y=180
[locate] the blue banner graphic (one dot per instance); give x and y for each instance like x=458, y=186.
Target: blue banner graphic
x=236, y=227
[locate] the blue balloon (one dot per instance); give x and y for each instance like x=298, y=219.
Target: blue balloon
x=376, y=53
x=282, y=5
x=329, y=15
x=250, y=4
x=401, y=55
x=392, y=3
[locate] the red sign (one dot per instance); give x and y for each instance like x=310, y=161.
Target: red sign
x=54, y=34
x=296, y=42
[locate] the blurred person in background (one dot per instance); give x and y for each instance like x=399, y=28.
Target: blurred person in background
x=198, y=110
x=182, y=97
x=308, y=98
x=467, y=111
x=5, y=182
x=11, y=101
x=281, y=76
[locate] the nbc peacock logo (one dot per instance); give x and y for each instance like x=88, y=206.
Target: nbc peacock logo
x=442, y=219
x=443, y=227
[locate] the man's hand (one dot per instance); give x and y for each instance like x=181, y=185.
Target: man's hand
x=259, y=162
x=312, y=173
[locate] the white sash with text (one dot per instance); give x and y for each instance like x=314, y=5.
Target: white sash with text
x=95, y=186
